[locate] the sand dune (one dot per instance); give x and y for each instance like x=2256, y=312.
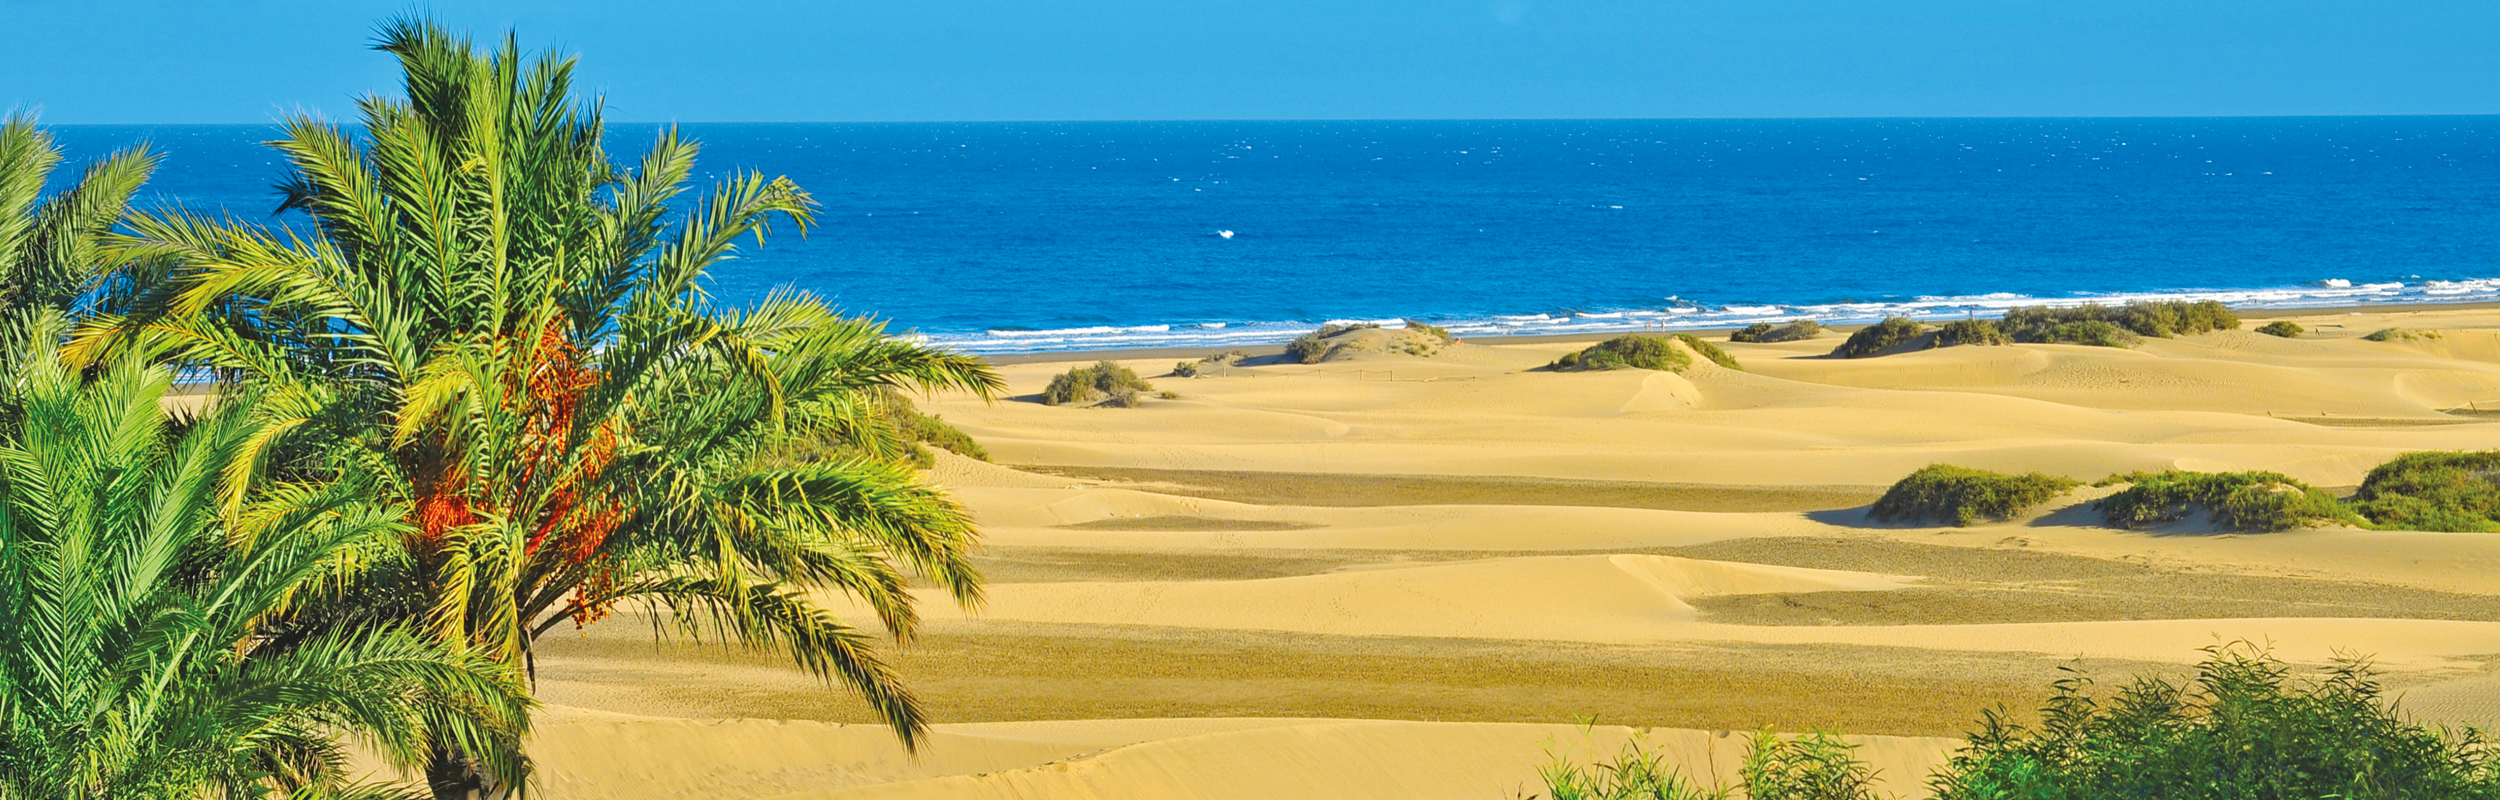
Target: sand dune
x=1493, y=589
x=641, y=758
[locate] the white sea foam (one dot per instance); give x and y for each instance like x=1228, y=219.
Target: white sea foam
x=1683, y=314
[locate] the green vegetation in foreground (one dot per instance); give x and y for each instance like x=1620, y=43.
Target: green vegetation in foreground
x=1879, y=337
x=2247, y=501
x=2435, y=491
x=1104, y=383
x=2245, y=728
x=498, y=334
x=1961, y=496
x=2282, y=327
x=2399, y=335
x=1629, y=351
x=1812, y=766
x=151, y=644
x=1970, y=332
x=1766, y=333
x=1709, y=351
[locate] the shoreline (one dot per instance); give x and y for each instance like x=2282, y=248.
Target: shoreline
x=1255, y=351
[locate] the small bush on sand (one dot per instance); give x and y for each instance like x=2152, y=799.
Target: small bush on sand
x=1709, y=351
x=2247, y=501
x=1766, y=333
x=1100, y=383
x=932, y=430
x=2282, y=327
x=2400, y=335
x=1970, y=331
x=1961, y=495
x=1434, y=331
x=1879, y=337
x=2245, y=727
x=1630, y=351
x=2442, y=491
x=1309, y=348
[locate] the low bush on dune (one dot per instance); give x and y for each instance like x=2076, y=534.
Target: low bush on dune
x=1104, y=381
x=2443, y=491
x=1709, y=351
x=896, y=431
x=1767, y=333
x=2246, y=727
x=1434, y=331
x=1629, y=351
x=2117, y=326
x=1961, y=495
x=2282, y=327
x=1209, y=364
x=933, y=430
x=1879, y=337
x=2399, y=335
x=1970, y=331
x=2247, y=501
x=1310, y=348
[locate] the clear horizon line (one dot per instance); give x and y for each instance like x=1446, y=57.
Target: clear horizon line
x=1040, y=120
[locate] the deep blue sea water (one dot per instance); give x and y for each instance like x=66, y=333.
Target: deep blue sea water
x=1004, y=237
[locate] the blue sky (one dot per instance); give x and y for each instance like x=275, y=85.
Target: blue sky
x=163, y=61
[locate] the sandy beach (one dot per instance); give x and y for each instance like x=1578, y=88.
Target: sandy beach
x=1398, y=576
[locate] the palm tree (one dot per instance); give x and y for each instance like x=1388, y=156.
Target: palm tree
x=509, y=333
x=138, y=657
x=50, y=246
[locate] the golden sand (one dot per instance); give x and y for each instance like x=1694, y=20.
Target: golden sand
x=1409, y=577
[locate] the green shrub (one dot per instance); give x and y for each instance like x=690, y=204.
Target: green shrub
x=1970, y=331
x=2248, y=501
x=2443, y=491
x=932, y=430
x=1309, y=348
x=1961, y=495
x=2400, y=335
x=1100, y=383
x=1879, y=337
x=1709, y=351
x=1813, y=766
x=2282, y=327
x=2096, y=333
x=1208, y=365
x=1629, y=351
x=2244, y=728
x=1766, y=333
x=1434, y=331
x=2105, y=326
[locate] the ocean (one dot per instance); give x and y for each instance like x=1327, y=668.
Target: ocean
x=1023, y=237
